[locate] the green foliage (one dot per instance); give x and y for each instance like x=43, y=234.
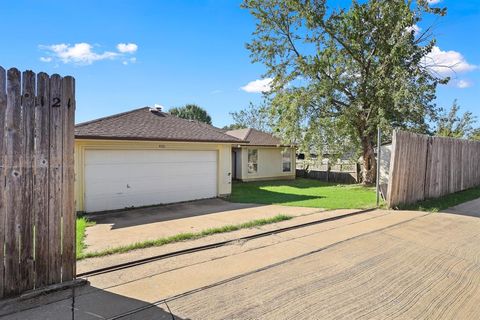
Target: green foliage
x=339, y=74
x=183, y=237
x=451, y=124
x=475, y=135
x=304, y=193
x=234, y=126
x=192, y=112
x=255, y=116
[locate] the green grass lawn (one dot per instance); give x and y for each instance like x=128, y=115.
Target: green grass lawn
x=304, y=193
x=445, y=202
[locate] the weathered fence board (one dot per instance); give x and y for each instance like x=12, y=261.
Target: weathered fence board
x=3, y=107
x=68, y=241
x=26, y=224
x=37, y=216
x=55, y=180
x=41, y=167
x=424, y=167
x=14, y=184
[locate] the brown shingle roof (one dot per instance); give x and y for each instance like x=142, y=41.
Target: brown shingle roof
x=143, y=124
x=255, y=137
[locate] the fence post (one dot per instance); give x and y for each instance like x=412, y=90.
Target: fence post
x=328, y=170
x=379, y=151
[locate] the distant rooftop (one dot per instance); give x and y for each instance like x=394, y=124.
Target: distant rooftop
x=255, y=137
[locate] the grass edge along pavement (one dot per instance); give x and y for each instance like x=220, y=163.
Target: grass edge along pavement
x=81, y=225
x=445, y=202
x=179, y=237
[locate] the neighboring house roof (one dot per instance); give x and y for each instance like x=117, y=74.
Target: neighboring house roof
x=255, y=137
x=150, y=124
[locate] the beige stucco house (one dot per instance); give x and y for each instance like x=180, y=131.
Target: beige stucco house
x=261, y=156
x=148, y=157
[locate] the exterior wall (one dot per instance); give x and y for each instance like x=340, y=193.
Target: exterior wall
x=224, y=186
x=269, y=165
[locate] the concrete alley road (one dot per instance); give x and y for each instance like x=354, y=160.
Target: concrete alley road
x=376, y=265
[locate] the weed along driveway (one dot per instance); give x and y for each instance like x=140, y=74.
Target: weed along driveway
x=145, y=227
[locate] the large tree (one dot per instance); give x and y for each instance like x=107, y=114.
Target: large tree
x=192, y=112
x=475, y=135
x=338, y=74
x=255, y=116
x=452, y=124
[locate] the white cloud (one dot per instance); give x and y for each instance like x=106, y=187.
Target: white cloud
x=79, y=53
x=85, y=54
x=434, y=1
x=447, y=63
x=258, y=86
x=127, y=47
x=414, y=28
x=462, y=84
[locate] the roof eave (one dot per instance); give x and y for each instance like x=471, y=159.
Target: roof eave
x=93, y=137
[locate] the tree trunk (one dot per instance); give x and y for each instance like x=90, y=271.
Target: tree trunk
x=369, y=162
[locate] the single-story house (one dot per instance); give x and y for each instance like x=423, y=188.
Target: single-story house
x=261, y=156
x=148, y=157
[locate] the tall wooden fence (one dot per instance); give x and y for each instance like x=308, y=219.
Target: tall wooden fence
x=37, y=215
x=423, y=167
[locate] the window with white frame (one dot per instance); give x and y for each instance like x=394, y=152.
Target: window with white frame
x=252, y=160
x=287, y=160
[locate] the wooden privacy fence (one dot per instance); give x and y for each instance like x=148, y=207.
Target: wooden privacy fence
x=320, y=170
x=37, y=215
x=423, y=167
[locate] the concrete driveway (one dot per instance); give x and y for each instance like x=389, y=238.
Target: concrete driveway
x=375, y=265
x=469, y=208
x=137, y=225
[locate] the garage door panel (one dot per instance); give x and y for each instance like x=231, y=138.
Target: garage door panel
x=121, y=201
x=115, y=179
x=135, y=186
x=148, y=172
x=111, y=157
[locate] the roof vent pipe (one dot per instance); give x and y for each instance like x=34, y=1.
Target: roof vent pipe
x=156, y=108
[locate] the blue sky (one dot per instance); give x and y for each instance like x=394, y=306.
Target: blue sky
x=129, y=54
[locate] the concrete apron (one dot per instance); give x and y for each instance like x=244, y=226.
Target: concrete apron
x=137, y=225
x=121, y=291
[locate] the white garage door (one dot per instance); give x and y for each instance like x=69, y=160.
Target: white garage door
x=117, y=179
